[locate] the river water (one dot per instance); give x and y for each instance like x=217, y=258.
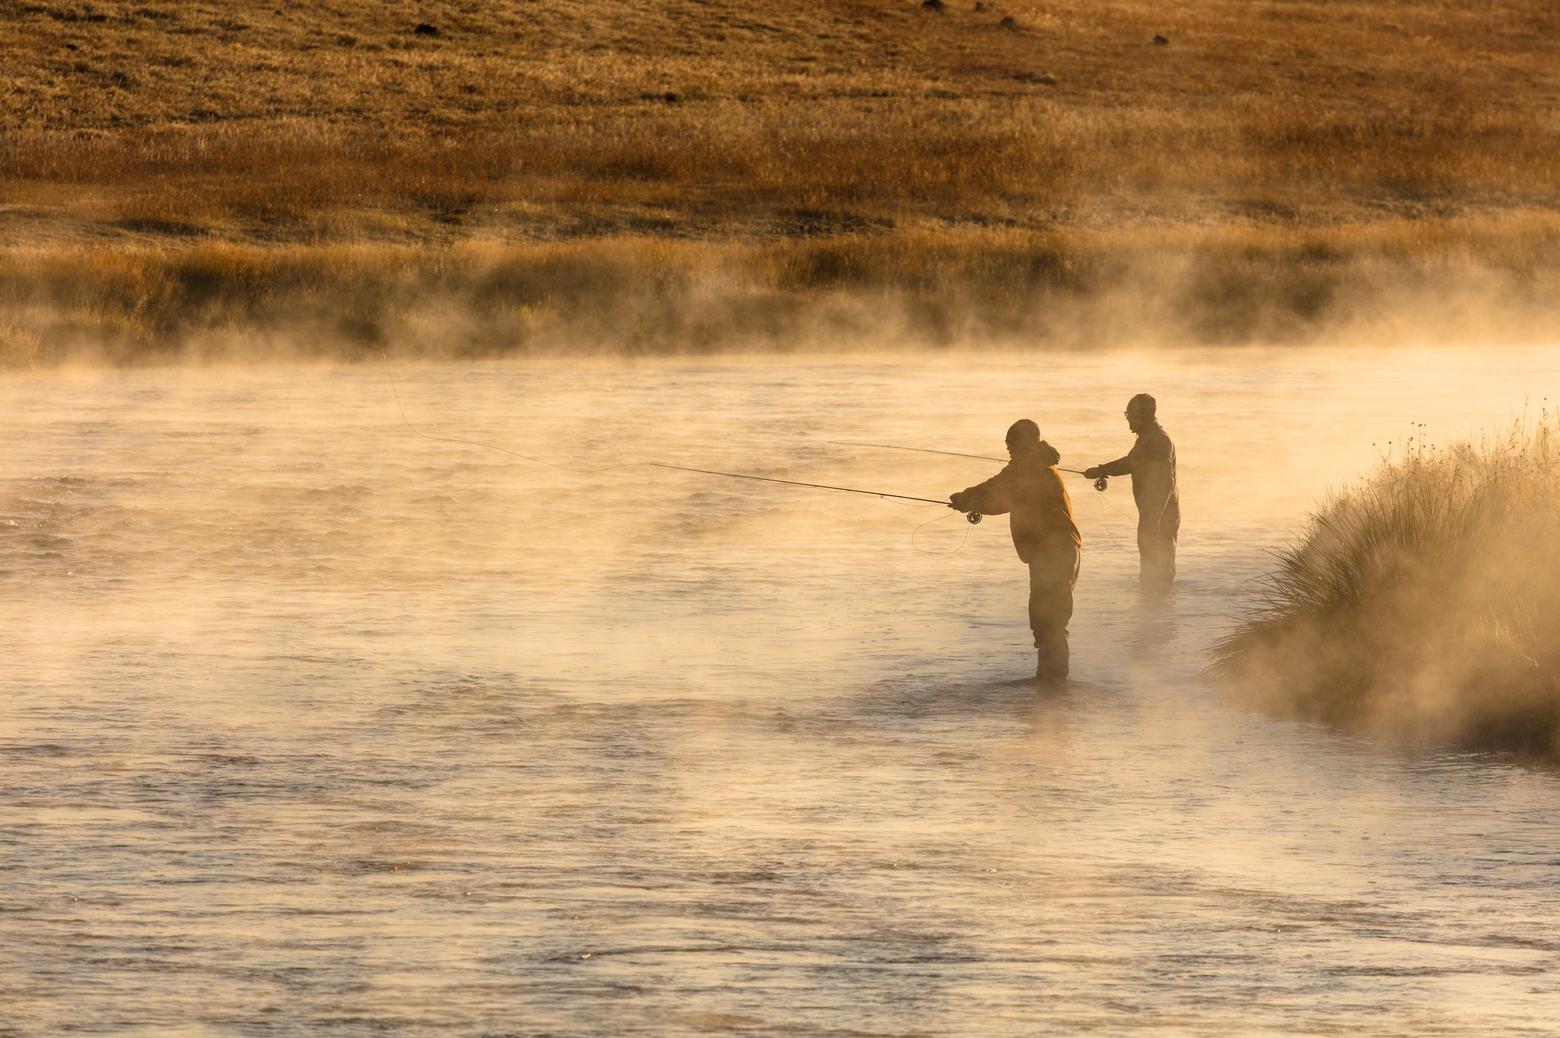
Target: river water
x=311, y=724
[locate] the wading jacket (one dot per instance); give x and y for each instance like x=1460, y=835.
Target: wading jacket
x=1031, y=489
x=1151, y=464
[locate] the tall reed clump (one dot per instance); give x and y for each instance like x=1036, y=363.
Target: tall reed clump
x=1423, y=605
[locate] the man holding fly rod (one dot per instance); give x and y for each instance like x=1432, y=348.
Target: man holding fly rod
x=1044, y=534
x=1151, y=464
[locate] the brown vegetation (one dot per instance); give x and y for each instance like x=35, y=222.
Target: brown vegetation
x=1423, y=604
x=776, y=137
x=646, y=294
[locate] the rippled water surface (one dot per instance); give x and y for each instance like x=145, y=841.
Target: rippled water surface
x=313, y=725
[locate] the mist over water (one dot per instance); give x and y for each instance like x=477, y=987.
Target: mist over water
x=312, y=725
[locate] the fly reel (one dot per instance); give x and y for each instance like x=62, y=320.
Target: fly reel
x=973, y=517
x=1101, y=483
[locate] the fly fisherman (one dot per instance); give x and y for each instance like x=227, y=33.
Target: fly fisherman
x=1044, y=534
x=1151, y=464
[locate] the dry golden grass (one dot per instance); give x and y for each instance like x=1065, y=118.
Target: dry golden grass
x=1423, y=604
x=655, y=294
x=854, y=134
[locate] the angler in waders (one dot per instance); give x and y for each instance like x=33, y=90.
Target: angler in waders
x=1044, y=534
x=1151, y=463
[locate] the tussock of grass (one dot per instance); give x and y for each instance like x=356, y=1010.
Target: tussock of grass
x=1424, y=604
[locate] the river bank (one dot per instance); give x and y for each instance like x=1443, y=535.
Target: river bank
x=137, y=300
x=703, y=177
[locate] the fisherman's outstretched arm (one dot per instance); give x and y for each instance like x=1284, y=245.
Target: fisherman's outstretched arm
x=1119, y=467
x=989, y=498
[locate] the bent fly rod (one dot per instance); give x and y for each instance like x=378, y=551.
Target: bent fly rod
x=1099, y=484
x=973, y=517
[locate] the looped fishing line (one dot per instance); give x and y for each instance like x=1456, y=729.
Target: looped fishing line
x=798, y=531
x=1113, y=539
x=927, y=551
x=1110, y=527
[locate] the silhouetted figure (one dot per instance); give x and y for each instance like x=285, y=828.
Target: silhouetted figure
x=1151, y=464
x=1044, y=534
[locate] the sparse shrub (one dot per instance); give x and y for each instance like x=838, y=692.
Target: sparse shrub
x=1423, y=604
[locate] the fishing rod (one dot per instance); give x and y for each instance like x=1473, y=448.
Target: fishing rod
x=973, y=517
x=918, y=450
x=1099, y=484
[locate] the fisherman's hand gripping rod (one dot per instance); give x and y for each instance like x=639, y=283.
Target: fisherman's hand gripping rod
x=973, y=517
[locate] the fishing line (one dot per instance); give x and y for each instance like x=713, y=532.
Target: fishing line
x=918, y=450
x=799, y=531
x=799, y=483
x=972, y=517
x=1109, y=527
x=951, y=454
x=1123, y=515
x=1100, y=484
x=928, y=551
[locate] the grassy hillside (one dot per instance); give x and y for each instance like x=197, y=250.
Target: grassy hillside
x=1048, y=149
